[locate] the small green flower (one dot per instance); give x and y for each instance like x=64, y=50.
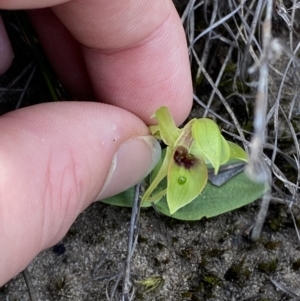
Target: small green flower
x=189, y=151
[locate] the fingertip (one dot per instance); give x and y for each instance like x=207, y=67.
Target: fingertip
x=133, y=161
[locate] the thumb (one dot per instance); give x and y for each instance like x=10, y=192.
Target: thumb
x=57, y=158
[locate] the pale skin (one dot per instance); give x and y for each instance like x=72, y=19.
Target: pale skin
x=56, y=159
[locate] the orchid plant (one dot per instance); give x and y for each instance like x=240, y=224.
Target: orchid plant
x=200, y=174
x=190, y=151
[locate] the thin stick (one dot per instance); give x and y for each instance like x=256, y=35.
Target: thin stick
x=30, y=287
x=133, y=234
x=256, y=168
x=210, y=28
x=284, y=289
x=264, y=207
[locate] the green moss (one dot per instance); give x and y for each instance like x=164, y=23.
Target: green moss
x=268, y=267
x=272, y=245
x=139, y=296
x=160, y=246
x=151, y=283
x=157, y=263
x=214, y=252
x=58, y=285
x=175, y=239
x=231, y=67
x=275, y=224
x=237, y=273
x=187, y=252
x=212, y=279
x=142, y=239
x=188, y=295
x=207, y=285
x=93, y=238
x=202, y=264
x=276, y=219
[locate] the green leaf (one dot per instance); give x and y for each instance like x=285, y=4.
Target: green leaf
x=210, y=141
x=213, y=200
x=168, y=130
x=236, y=152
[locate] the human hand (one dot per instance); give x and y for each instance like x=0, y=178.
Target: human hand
x=57, y=158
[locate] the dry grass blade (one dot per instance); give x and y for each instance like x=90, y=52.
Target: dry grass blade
x=128, y=292
x=284, y=289
x=242, y=34
x=124, y=276
x=31, y=290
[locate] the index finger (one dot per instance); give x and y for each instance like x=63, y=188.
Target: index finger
x=134, y=51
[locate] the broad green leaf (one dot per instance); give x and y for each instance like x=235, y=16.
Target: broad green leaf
x=187, y=177
x=213, y=201
x=168, y=130
x=209, y=139
x=236, y=152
